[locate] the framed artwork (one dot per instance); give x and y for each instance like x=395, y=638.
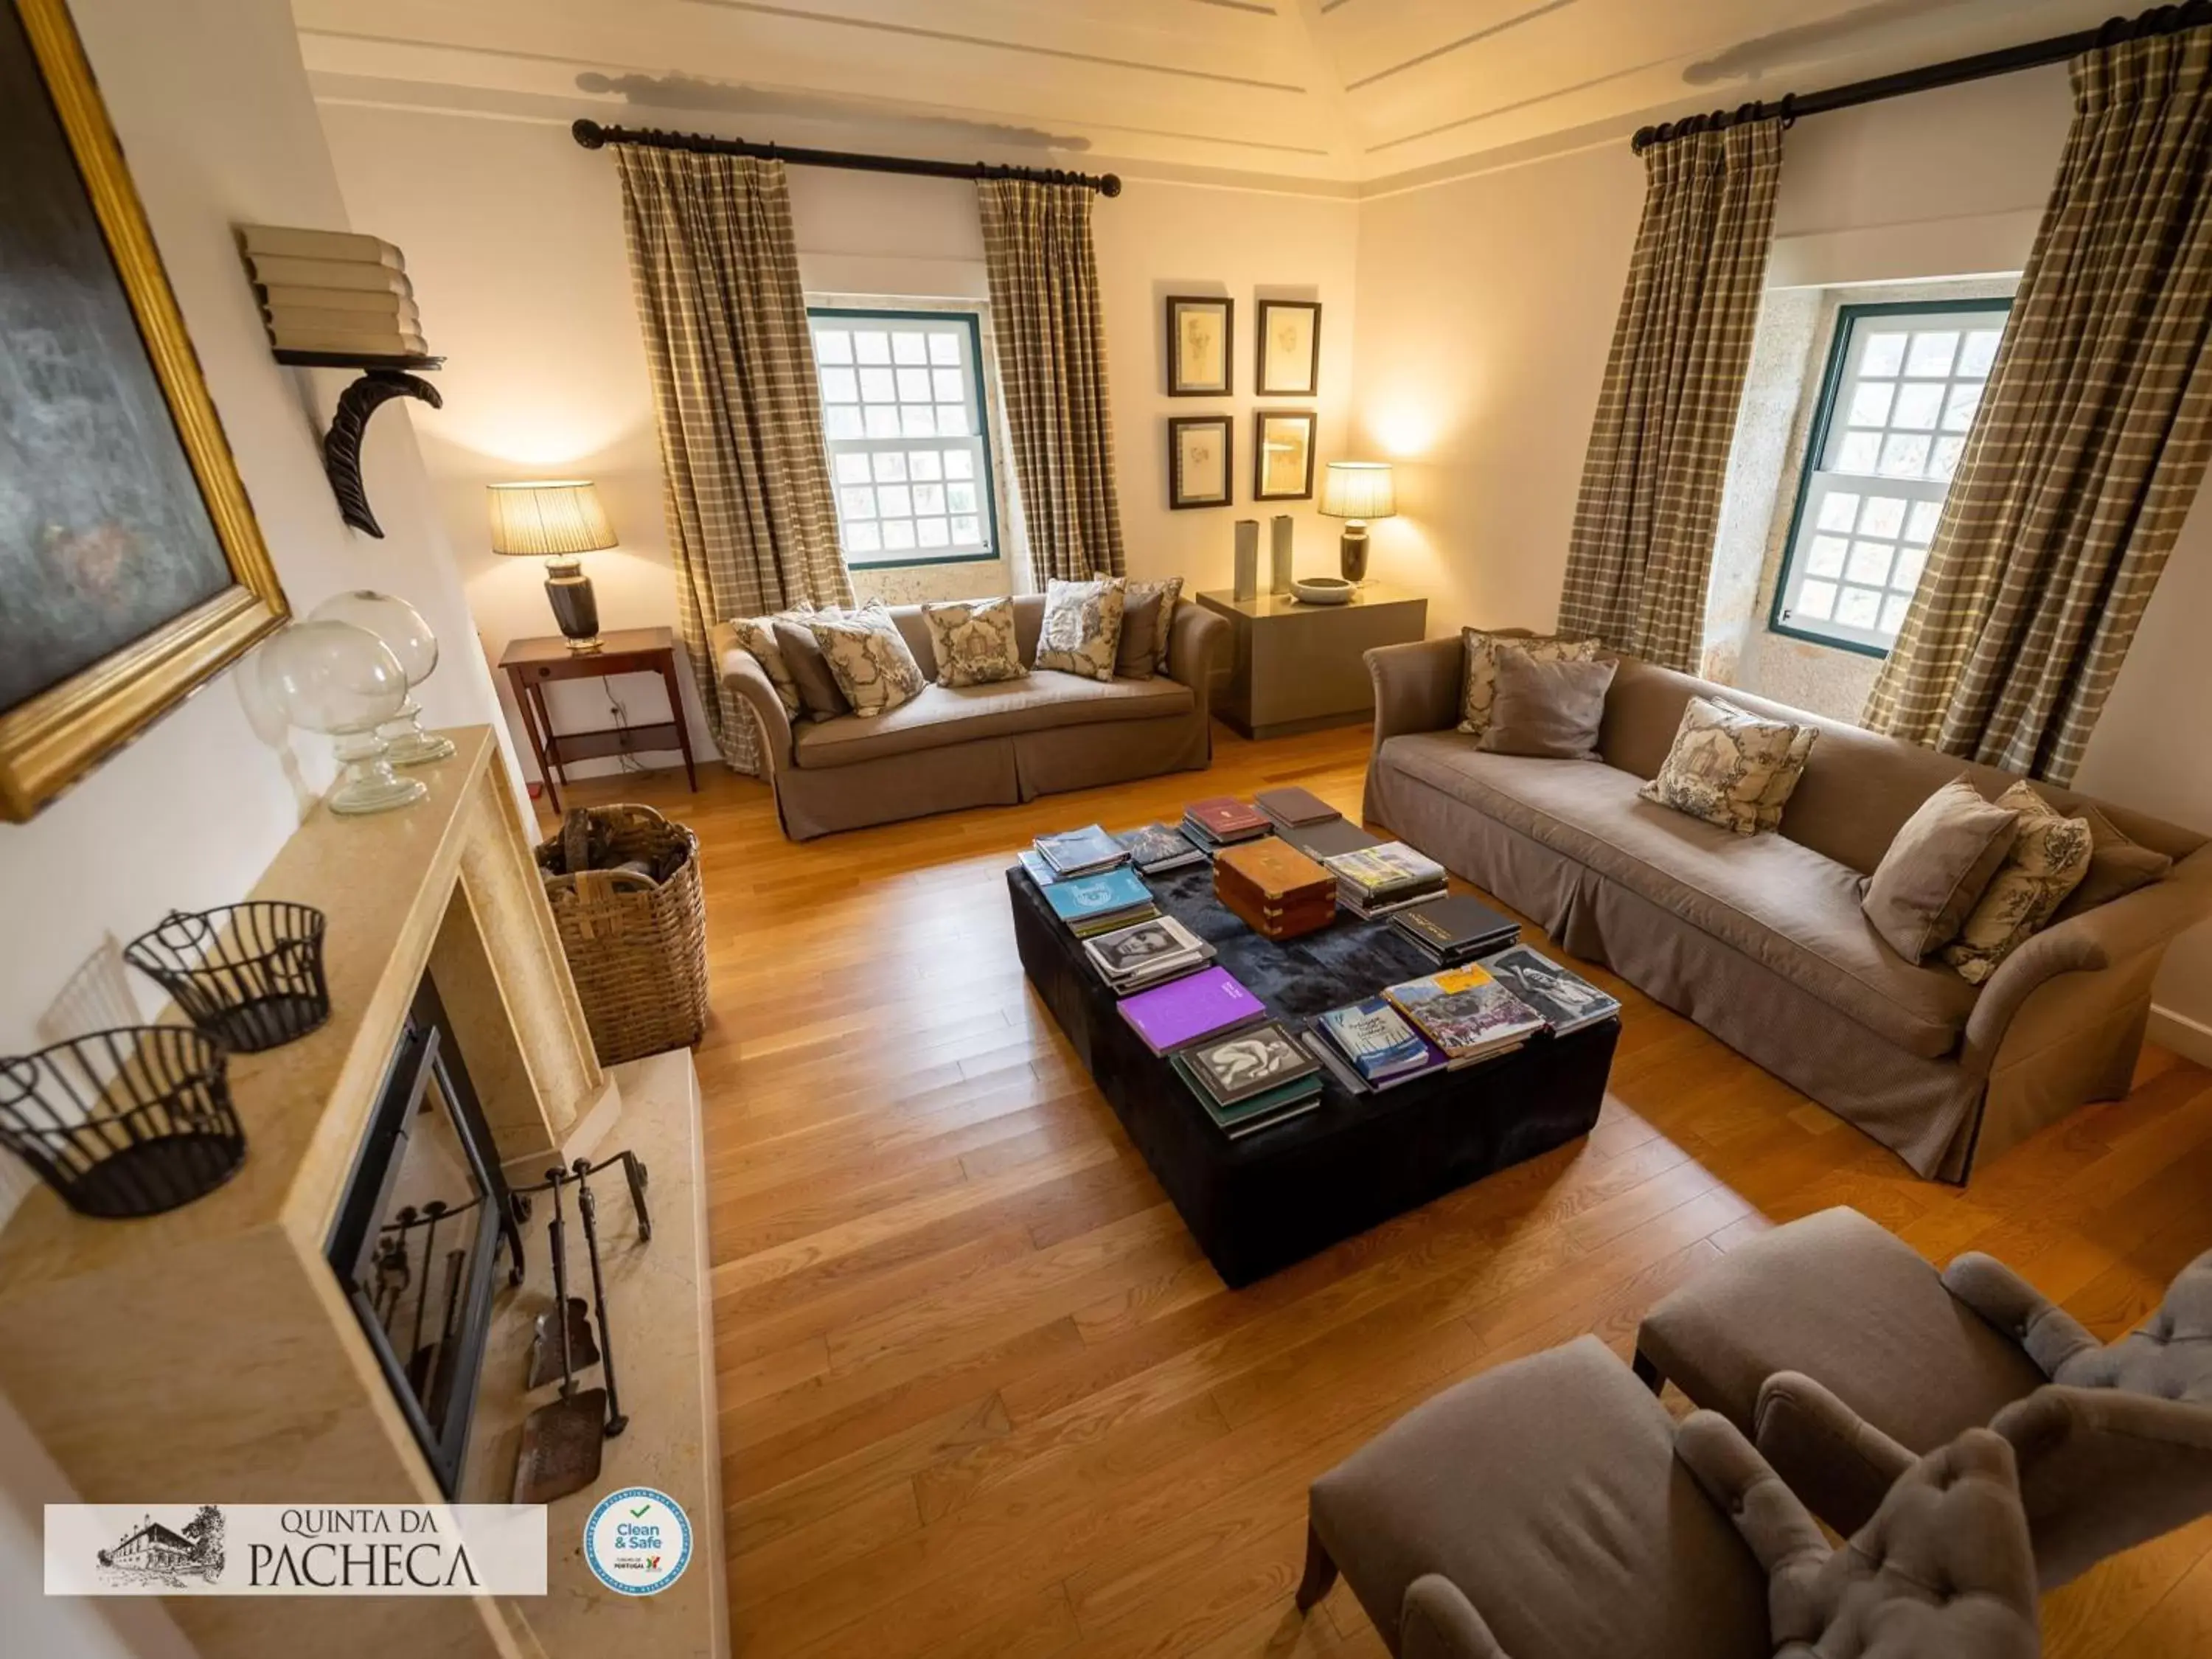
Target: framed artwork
x=1283, y=462
x=131, y=569
x=1287, y=350
x=1199, y=461
x=1198, y=355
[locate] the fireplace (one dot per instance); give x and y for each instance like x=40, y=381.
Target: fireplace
x=424, y=1214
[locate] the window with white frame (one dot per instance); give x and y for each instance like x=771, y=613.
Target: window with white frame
x=1902, y=387
x=905, y=415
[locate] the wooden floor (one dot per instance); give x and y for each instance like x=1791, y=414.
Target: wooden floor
x=980, y=1395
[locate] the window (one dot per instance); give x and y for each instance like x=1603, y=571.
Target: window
x=904, y=410
x=1903, y=384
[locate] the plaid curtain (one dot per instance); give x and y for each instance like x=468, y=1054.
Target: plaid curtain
x=1052, y=364
x=2091, y=440
x=745, y=476
x=1643, y=543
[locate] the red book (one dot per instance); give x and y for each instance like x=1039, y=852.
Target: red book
x=1225, y=818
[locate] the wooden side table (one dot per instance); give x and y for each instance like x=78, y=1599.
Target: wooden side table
x=1299, y=667
x=531, y=662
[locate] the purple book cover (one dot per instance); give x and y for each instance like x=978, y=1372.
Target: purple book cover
x=1167, y=1016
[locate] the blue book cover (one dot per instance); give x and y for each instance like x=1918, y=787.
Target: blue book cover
x=1375, y=1038
x=1090, y=895
x=1073, y=851
x=1040, y=872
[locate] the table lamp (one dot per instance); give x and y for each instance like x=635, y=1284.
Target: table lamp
x=1356, y=492
x=555, y=520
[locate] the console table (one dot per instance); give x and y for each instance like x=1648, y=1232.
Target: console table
x=531, y=662
x=1299, y=667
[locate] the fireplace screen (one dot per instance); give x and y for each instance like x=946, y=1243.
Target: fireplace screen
x=417, y=1234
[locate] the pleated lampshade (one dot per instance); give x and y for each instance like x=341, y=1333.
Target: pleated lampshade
x=549, y=519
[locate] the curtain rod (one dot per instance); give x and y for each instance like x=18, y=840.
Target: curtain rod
x=2161, y=19
x=592, y=136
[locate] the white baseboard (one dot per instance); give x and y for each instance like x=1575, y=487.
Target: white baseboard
x=2190, y=1038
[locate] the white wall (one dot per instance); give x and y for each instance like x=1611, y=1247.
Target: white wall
x=518, y=259
x=211, y=105
x=1485, y=309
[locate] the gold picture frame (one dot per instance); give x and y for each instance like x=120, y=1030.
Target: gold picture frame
x=52, y=736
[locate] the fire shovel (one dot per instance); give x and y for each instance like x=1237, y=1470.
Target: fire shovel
x=589, y=1207
x=562, y=1441
x=562, y=1345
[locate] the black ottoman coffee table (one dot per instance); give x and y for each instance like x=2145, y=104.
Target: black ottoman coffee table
x=1282, y=1194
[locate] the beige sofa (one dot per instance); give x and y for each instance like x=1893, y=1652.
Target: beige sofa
x=981, y=745
x=1761, y=939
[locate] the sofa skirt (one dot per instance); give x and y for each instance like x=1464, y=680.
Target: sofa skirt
x=1926, y=1111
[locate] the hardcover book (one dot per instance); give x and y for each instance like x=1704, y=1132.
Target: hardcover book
x=1294, y=806
x=1151, y=950
x=1158, y=846
x=1375, y=1040
x=1325, y=840
x=1465, y=1012
x=1184, y=1011
x=1086, y=897
x=1376, y=871
x=1249, y=1062
x=1039, y=872
x=1567, y=1001
x=1227, y=818
x=1456, y=925
x=1081, y=851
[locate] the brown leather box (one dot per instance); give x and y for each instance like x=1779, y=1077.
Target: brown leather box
x=1275, y=888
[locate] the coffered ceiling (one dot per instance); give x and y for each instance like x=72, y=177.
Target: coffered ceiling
x=1342, y=92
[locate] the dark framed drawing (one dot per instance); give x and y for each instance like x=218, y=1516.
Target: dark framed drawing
x=1200, y=359
x=1199, y=461
x=1286, y=350
x=1283, y=458
x=131, y=570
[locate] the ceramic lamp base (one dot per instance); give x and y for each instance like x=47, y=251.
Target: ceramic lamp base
x=575, y=607
x=1351, y=551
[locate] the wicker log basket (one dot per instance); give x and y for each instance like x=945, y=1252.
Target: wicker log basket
x=624, y=883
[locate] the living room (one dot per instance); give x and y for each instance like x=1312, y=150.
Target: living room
x=1620, y=586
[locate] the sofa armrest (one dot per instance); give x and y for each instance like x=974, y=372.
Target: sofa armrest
x=1839, y=1463
x=2046, y=1331
x=743, y=676
x=2144, y=921
x=1197, y=649
x=1417, y=686
x=1437, y=1621
x=1779, y=1528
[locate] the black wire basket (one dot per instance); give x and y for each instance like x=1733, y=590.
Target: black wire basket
x=250, y=976
x=127, y=1122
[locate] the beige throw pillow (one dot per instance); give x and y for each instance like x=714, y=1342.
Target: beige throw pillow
x=1147, y=614
x=1480, y=686
x=802, y=655
x=1082, y=630
x=869, y=656
x=975, y=642
x=2117, y=866
x=2047, y=862
x=1937, y=868
x=1546, y=707
x=758, y=635
x=1732, y=767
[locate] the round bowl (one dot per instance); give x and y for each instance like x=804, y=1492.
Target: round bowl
x=1324, y=590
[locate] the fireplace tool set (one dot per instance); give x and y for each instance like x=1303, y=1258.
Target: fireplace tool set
x=564, y=1440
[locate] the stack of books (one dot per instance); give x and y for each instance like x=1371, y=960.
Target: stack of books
x=334, y=292
x=1209, y=1003
x=1566, y=1000
x=1149, y=953
x=1260, y=1077
x=1273, y=888
x=1159, y=847
x=1466, y=1013
x=1375, y=1043
x=1456, y=928
x=1374, y=881
x=1083, y=852
x=1223, y=821
x=1293, y=808
x=1092, y=905
x=1325, y=839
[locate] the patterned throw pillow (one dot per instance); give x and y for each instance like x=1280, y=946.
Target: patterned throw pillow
x=1731, y=768
x=1144, y=652
x=1082, y=627
x=758, y=635
x=2047, y=862
x=868, y=657
x=975, y=642
x=1482, y=687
